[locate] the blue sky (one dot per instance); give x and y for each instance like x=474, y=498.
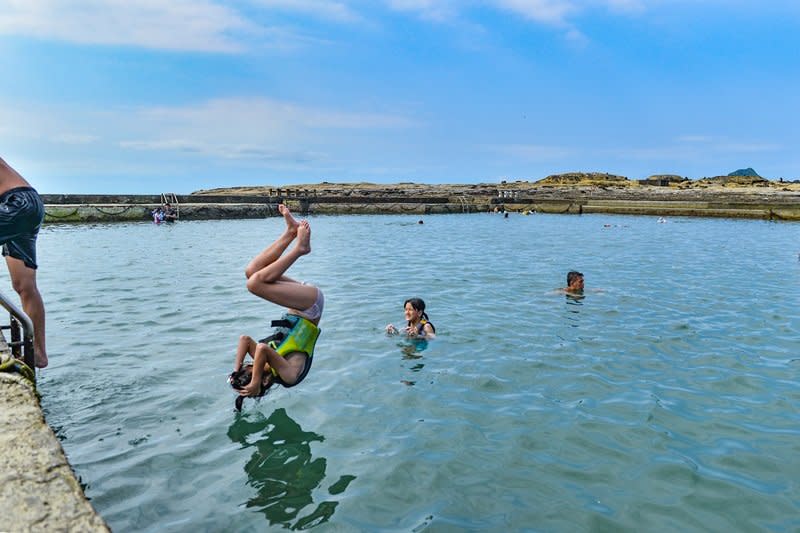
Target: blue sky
x=115, y=96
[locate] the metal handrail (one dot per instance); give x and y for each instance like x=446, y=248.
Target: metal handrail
x=19, y=319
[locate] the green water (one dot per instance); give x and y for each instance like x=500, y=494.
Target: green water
x=666, y=402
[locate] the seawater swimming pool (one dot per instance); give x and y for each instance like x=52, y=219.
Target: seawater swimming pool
x=668, y=401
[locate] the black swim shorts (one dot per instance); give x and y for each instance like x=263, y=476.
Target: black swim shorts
x=21, y=216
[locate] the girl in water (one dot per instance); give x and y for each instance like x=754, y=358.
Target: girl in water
x=284, y=357
x=419, y=325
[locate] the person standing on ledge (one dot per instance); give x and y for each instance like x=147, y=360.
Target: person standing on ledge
x=21, y=216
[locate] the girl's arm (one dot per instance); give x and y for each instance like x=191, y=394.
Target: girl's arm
x=429, y=331
x=265, y=359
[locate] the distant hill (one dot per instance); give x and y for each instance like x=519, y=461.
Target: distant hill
x=745, y=172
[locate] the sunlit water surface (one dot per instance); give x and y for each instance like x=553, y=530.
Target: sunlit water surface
x=666, y=401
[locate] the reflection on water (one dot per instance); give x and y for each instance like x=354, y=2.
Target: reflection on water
x=574, y=303
x=412, y=350
x=574, y=298
x=283, y=471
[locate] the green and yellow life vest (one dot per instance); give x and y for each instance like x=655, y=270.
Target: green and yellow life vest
x=301, y=336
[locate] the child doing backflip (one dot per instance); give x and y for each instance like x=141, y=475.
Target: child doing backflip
x=284, y=357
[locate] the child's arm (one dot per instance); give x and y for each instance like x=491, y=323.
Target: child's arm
x=265, y=359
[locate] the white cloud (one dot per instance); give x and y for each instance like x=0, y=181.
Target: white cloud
x=438, y=10
x=218, y=26
x=184, y=25
x=624, y=6
x=326, y=9
x=552, y=12
x=223, y=151
x=257, y=116
x=233, y=128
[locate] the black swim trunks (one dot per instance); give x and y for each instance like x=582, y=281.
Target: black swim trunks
x=21, y=216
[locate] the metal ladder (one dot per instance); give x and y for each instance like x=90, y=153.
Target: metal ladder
x=172, y=199
x=21, y=345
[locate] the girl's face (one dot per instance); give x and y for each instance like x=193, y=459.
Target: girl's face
x=412, y=315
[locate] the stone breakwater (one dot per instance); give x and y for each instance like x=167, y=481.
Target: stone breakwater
x=259, y=202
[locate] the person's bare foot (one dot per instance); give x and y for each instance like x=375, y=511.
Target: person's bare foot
x=39, y=358
x=303, y=243
x=291, y=222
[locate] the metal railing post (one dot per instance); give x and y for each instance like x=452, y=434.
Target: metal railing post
x=18, y=319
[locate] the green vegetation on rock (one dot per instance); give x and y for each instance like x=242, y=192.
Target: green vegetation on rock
x=745, y=172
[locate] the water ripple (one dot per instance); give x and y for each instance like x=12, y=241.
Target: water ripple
x=665, y=401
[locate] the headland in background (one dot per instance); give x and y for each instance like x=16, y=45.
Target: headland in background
x=742, y=194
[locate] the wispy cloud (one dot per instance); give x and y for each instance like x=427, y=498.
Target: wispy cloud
x=256, y=116
x=220, y=26
x=233, y=128
x=437, y=10
x=324, y=9
x=558, y=14
x=224, y=151
x=551, y=12
x=624, y=6
x=181, y=25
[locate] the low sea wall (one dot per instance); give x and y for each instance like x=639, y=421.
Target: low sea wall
x=38, y=490
x=757, y=210
x=110, y=208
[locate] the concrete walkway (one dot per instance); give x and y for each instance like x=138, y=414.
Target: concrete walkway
x=38, y=490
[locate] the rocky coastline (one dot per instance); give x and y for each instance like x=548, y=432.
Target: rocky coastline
x=573, y=193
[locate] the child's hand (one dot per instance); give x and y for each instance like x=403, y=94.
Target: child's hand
x=391, y=330
x=251, y=390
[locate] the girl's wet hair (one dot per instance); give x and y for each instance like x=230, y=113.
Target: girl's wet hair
x=239, y=379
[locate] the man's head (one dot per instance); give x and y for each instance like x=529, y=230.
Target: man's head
x=574, y=281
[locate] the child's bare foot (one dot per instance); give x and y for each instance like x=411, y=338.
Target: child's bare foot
x=303, y=243
x=291, y=222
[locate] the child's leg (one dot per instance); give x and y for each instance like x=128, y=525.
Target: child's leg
x=270, y=283
x=267, y=358
x=246, y=346
x=272, y=252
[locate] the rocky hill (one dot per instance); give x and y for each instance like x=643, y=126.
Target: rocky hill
x=561, y=184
